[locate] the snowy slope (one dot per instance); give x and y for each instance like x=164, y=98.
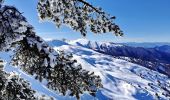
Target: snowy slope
x=154, y=58
x=121, y=79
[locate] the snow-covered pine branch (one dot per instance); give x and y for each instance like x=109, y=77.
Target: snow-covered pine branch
x=12, y=87
x=35, y=57
x=79, y=15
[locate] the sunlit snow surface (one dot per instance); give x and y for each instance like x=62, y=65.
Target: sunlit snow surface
x=122, y=80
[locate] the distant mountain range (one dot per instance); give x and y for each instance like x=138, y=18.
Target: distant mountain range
x=164, y=48
x=146, y=44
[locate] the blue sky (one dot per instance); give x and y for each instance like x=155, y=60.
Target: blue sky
x=141, y=20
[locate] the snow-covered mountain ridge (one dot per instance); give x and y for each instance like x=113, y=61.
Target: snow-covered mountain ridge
x=122, y=80
x=154, y=58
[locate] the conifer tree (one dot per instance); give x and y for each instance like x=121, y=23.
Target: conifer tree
x=34, y=56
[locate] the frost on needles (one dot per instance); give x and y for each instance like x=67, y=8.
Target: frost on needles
x=79, y=15
x=12, y=87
